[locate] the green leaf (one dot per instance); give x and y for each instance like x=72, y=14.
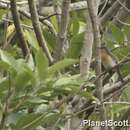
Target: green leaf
x=75, y=46
x=31, y=38
x=127, y=31
x=117, y=34
x=65, y=81
x=51, y=118
x=122, y=52
x=116, y=108
x=54, y=22
x=30, y=121
x=75, y=24
x=4, y=66
x=22, y=79
x=7, y=58
x=127, y=28
x=36, y=100
x=4, y=85
x=82, y=27
x=2, y=12
x=126, y=69
x=61, y=65
x=50, y=38
x=8, y=63
x=41, y=64
x=126, y=94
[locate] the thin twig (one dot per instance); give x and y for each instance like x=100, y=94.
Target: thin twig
x=117, y=102
x=6, y=23
x=123, y=23
x=110, y=12
x=23, y=25
x=105, y=4
x=123, y=6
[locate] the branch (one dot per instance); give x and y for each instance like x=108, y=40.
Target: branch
x=111, y=12
x=62, y=34
x=18, y=3
x=37, y=29
x=96, y=34
x=122, y=15
x=73, y=7
x=27, y=14
x=125, y=7
x=18, y=27
x=112, y=88
x=82, y=5
x=107, y=91
x=86, y=51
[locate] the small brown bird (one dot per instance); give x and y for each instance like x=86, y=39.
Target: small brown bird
x=109, y=61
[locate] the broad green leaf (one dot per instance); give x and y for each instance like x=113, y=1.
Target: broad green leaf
x=30, y=62
x=30, y=121
x=37, y=100
x=75, y=24
x=51, y=118
x=116, y=108
x=7, y=58
x=126, y=94
x=22, y=80
x=82, y=27
x=4, y=66
x=41, y=64
x=2, y=12
x=122, y=52
x=8, y=64
x=4, y=85
x=57, y=67
x=31, y=38
x=75, y=46
x=127, y=28
x=65, y=81
x=117, y=34
x=126, y=69
x=54, y=22
x=50, y=38
x=127, y=31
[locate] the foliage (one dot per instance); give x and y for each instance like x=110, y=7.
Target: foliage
x=30, y=86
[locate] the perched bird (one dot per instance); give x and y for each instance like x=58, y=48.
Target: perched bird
x=109, y=61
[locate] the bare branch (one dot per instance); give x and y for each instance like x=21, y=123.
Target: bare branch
x=74, y=6
x=111, y=12
x=86, y=52
x=122, y=15
x=27, y=14
x=96, y=34
x=62, y=34
x=116, y=86
x=18, y=27
x=37, y=29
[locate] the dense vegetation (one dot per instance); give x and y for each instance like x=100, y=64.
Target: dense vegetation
x=40, y=83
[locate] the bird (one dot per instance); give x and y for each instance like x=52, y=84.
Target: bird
x=108, y=61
